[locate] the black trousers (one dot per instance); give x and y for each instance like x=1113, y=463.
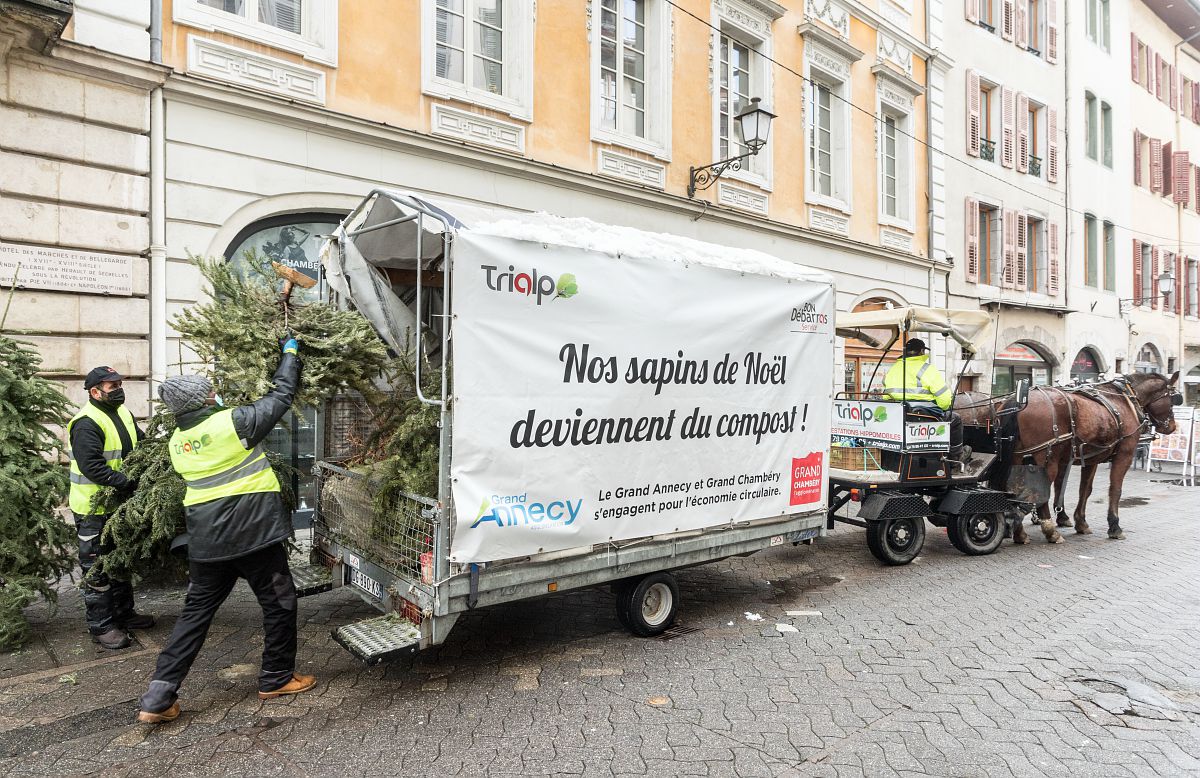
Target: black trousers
x=108, y=603
x=267, y=573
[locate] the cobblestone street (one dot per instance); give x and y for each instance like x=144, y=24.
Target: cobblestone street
x=1077, y=659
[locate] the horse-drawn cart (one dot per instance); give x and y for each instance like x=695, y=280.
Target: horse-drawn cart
x=893, y=457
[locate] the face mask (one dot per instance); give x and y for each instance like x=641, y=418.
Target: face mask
x=217, y=401
x=115, y=397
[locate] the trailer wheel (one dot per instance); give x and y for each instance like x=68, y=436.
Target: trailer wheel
x=646, y=606
x=977, y=534
x=896, y=541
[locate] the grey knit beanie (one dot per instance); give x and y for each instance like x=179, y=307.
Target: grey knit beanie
x=184, y=393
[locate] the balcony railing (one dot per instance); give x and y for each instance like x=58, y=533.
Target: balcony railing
x=987, y=150
x=1035, y=165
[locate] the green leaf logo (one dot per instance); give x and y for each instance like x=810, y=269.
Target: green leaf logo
x=880, y=414
x=941, y=429
x=483, y=508
x=567, y=286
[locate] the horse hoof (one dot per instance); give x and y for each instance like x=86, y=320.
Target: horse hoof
x=1083, y=530
x=1055, y=538
x=1021, y=541
x=1118, y=535
x=1064, y=523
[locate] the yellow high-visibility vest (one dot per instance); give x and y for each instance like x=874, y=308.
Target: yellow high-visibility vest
x=214, y=463
x=916, y=378
x=83, y=491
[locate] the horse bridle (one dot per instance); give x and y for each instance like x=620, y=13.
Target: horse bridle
x=1144, y=407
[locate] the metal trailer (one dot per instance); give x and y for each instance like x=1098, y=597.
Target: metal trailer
x=399, y=563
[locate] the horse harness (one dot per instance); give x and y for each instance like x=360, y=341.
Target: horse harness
x=1078, y=455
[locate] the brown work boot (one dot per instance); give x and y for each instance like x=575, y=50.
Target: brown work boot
x=113, y=639
x=150, y=717
x=299, y=683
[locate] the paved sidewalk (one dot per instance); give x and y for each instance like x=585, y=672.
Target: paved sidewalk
x=1077, y=659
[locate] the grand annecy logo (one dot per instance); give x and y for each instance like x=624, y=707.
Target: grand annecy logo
x=531, y=284
x=513, y=510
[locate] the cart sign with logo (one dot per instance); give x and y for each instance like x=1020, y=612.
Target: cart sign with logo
x=601, y=398
x=875, y=423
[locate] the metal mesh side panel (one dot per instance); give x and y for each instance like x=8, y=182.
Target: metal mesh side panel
x=348, y=425
x=395, y=531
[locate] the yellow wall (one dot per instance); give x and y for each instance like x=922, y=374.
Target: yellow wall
x=378, y=78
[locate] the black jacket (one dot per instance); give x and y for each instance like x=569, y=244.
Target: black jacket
x=232, y=527
x=87, y=445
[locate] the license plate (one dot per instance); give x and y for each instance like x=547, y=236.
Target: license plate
x=368, y=585
x=806, y=534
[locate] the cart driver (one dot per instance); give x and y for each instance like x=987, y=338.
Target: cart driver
x=915, y=380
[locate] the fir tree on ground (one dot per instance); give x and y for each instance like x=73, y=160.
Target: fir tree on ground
x=36, y=546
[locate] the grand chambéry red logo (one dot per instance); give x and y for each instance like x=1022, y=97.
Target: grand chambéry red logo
x=808, y=474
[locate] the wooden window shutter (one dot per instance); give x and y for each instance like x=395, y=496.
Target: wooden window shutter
x=1021, y=36
x=1196, y=199
x=1007, y=127
x=1157, y=74
x=1168, y=179
x=1022, y=133
x=1052, y=32
x=1133, y=58
x=1154, y=276
x=1183, y=169
x=1179, y=284
x=1007, y=20
x=1022, y=250
x=972, y=11
x=1156, y=160
x=974, y=114
x=1052, y=145
x=1137, y=271
x=972, y=232
x=1052, y=281
x=1196, y=102
x=1174, y=88
x=1008, y=272
x=1137, y=158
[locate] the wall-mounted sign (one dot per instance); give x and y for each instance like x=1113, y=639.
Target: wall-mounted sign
x=65, y=270
x=1017, y=352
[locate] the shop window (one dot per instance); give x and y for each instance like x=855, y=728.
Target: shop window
x=1019, y=361
x=293, y=241
x=1086, y=366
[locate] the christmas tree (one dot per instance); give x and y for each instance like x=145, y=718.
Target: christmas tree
x=36, y=546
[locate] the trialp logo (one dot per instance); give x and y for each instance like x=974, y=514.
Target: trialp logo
x=531, y=284
x=924, y=431
x=513, y=510
x=809, y=318
x=861, y=413
x=192, y=446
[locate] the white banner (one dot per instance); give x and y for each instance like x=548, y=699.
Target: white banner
x=599, y=398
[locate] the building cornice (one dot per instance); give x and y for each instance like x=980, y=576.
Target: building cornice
x=182, y=88
x=84, y=60
x=818, y=34
x=898, y=79
x=873, y=19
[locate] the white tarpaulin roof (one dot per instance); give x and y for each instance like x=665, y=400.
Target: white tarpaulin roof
x=971, y=328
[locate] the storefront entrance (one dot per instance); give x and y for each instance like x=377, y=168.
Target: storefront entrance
x=1085, y=368
x=1020, y=361
x=295, y=241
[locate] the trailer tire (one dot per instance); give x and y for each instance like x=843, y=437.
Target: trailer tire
x=977, y=534
x=647, y=606
x=896, y=541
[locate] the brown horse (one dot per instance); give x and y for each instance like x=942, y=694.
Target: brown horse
x=1102, y=423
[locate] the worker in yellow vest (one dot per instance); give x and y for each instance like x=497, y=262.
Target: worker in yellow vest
x=917, y=381
x=237, y=527
x=100, y=436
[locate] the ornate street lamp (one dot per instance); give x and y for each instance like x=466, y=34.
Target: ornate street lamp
x=1166, y=285
x=754, y=125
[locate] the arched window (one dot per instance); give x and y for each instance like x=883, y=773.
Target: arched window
x=1021, y=360
x=1149, y=360
x=1086, y=366
x=293, y=240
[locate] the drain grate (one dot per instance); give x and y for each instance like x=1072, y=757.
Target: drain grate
x=677, y=631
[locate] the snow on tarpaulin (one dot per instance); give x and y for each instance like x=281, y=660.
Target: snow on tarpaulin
x=628, y=242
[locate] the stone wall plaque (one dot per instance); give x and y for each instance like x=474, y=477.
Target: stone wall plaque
x=65, y=270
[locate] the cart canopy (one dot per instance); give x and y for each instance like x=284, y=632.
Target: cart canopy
x=882, y=328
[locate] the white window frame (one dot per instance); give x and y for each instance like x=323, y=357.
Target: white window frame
x=1041, y=264
x=1091, y=126
x=657, y=142
x=891, y=102
x=1106, y=134
x=517, y=99
x=319, y=21
x=750, y=26
x=822, y=66
x=998, y=244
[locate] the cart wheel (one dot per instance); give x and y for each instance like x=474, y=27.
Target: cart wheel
x=897, y=541
x=646, y=606
x=976, y=534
